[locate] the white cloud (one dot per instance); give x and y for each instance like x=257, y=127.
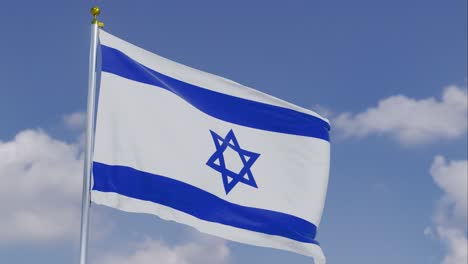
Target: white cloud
x=456, y=243
x=323, y=111
x=450, y=218
x=411, y=120
x=452, y=178
x=200, y=251
x=76, y=120
x=40, y=188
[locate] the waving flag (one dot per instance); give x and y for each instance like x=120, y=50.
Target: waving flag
x=204, y=151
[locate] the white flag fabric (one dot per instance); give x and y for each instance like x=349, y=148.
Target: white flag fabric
x=204, y=151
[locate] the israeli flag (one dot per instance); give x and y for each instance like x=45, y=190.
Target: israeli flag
x=204, y=151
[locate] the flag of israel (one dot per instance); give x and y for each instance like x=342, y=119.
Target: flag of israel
x=204, y=151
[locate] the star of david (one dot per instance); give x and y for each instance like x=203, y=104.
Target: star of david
x=218, y=162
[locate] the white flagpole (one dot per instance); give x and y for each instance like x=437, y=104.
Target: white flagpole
x=88, y=157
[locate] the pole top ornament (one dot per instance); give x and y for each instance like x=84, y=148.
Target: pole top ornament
x=95, y=12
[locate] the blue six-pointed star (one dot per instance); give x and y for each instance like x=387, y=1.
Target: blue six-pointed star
x=218, y=163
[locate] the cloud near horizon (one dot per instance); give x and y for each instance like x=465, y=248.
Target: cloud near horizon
x=450, y=216
x=41, y=179
x=410, y=121
x=201, y=250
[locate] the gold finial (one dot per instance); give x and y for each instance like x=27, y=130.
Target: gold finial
x=95, y=11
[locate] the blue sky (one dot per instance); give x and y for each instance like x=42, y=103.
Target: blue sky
x=397, y=68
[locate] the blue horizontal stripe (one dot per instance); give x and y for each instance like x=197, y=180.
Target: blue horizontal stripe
x=222, y=106
x=199, y=203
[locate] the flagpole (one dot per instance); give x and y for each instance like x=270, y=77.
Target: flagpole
x=88, y=157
